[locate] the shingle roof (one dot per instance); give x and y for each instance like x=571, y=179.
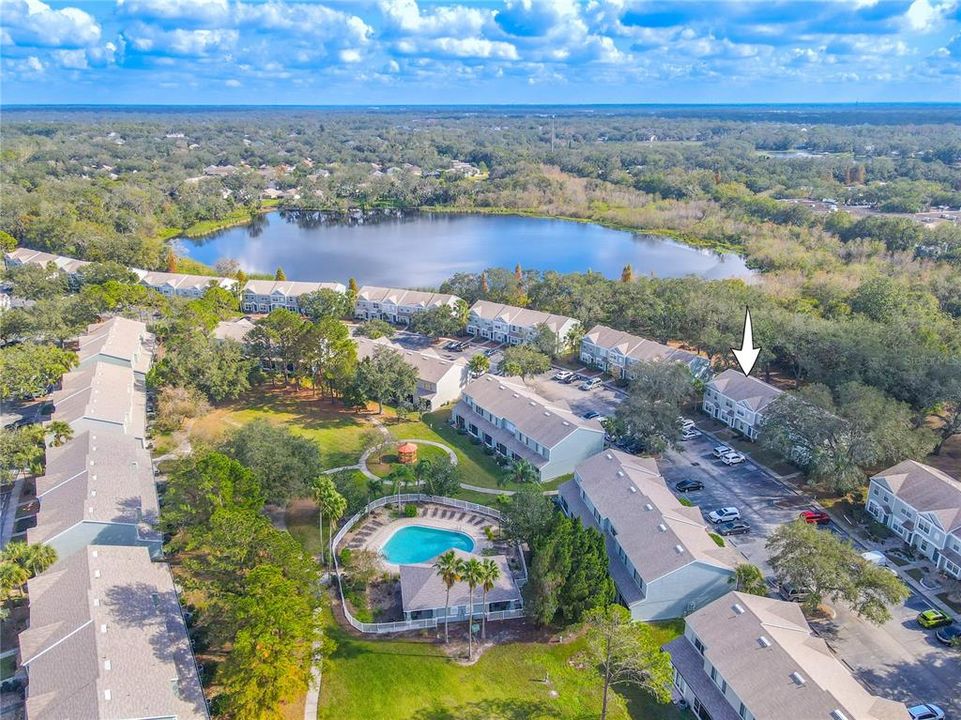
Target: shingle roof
x=290, y=288
x=107, y=640
x=656, y=532
x=422, y=589
x=102, y=391
x=522, y=317
x=429, y=367
x=761, y=671
x=927, y=490
x=400, y=296
x=639, y=348
x=534, y=416
x=182, y=281
x=101, y=477
x=118, y=338
x=233, y=329
x=755, y=394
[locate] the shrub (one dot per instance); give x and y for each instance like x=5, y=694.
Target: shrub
x=490, y=533
x=176, y=404
x=718, y=540
x=685, y=502
x=410, y=510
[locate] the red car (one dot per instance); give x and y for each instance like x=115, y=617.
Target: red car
x=815, y=517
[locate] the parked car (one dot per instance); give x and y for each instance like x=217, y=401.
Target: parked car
x=815, y=517
x=735, y=527
x=690, y=434
x=933, y=619
x=876, y=558
x=689, y=485
x=590, y=384
x=791, y=593
x=926, y=711
x=725, y=514
x=569, y=380
x=562, y=374
x=489, y=352
x=590, y=415
x=949, y=634
x=732, y=458
x=722, y=450
x=451, y=344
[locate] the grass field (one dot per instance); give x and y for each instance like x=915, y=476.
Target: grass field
x=381, y=463
x=369, y=680
x=337, y=431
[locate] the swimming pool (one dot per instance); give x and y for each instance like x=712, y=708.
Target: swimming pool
x=416, y=544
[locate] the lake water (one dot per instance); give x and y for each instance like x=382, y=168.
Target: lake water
x=423, y=250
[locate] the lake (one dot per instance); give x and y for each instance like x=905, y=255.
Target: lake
x=423, y=250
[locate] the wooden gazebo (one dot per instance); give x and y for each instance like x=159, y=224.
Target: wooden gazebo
x=407, y=453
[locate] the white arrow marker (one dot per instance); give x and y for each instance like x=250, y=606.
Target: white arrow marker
x=747, y=355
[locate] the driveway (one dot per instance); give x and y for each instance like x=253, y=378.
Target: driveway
x=897, y=660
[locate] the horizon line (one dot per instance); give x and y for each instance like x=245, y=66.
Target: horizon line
x=481, y=105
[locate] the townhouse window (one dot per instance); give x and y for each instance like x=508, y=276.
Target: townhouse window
x=924, y=527
x=742, y=711
x=698, y=645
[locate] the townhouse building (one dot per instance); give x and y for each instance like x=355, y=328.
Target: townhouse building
x=107, y=639
x=264, y=296
x=515, y=325
x=183, y=285
x=439, y=381
x=396, y=305
x=102, y=396
x=26, y=256
x=739, y=401
x=663, y=561
x=233, y=330
x=118, y=341
x=518, y=424
x=97, y=489
x=617, y=352
x=922, y=505
x=745, y=657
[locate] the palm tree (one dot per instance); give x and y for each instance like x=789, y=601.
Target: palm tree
x=471, y=572
x=490, y=574
x=522, y=472
x=12, y=577
x=39, y=558
x=448, y=567
x=61, y=432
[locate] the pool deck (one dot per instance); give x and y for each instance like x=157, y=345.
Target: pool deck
x=445, y=519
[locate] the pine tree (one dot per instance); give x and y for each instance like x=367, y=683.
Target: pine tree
x=627, y=274
x=171, y=261
x=280, y=274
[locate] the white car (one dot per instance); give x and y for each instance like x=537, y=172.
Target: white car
x=724, y=515
x=686, y=423
x=927, y=711
x=690, y=434
x=876, y=558
x=562, y=374
x=590, y=384
x=721, y=451
x=732, y=458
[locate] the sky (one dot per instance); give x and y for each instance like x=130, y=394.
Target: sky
x=252, y=52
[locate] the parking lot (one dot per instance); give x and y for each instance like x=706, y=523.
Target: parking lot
x=602, y=399
x=899, y=656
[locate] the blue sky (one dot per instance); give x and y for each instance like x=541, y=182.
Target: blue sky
x=497, y=51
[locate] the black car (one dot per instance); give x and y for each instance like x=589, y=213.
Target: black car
x=590, y=415
x=735, y=527
x=949, y=634
x=689, y=486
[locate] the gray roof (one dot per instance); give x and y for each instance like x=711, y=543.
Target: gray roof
x=400, y=296
x=100, y=477
x=758, y=644
x=422, y=589
x=429, y=366
x=104, y=392
x=183, y=281
x=107, y=640
x=752, y=393
x=118, y=338
x=233, y=329
x=289, y=288
x=639, y=348
x=534, y=416
x=23, y=256
x=656, y=532
x=927, y=490
x=522, y=317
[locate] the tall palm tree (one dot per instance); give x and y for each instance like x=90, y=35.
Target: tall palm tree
x=490, y=574
x=39, y=558
x=471, y=572
x=60, y=431
x=448, y=567
x=12, y=577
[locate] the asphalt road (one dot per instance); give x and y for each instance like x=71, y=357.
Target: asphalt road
x=898, y=660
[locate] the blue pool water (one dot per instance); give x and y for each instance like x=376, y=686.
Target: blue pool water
x=417, y=544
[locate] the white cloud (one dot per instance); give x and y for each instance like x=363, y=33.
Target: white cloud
x=406, y=17
x=31, y=23
x=149, y=39
x=199, y=11
x=233, y=83
x=922, y=16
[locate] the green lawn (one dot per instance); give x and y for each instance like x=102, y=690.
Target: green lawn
x=337, y=431
x=381, y=463
x=372, y=679
x=8, y=666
